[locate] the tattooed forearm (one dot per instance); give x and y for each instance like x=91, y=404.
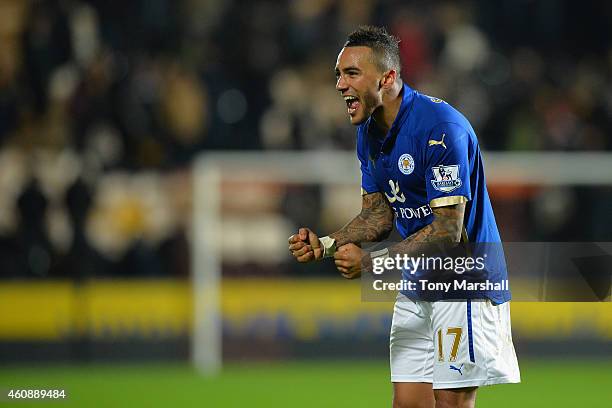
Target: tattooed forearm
x=374, y=223
x=444, y=230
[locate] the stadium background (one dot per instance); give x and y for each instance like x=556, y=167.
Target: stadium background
x=103, y=108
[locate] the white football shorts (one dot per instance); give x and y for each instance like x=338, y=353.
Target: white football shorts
x=452, y=344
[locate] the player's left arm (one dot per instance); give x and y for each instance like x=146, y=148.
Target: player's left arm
x=444, y=231
x=446, y=228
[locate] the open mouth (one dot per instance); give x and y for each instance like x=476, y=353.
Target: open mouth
x=352, y=104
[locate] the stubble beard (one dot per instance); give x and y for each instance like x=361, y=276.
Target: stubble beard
x=369, y=104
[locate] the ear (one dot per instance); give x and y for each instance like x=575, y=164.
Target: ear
x=388, y=79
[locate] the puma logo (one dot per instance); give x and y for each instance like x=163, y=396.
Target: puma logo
x=452, y=367
x=438, y=142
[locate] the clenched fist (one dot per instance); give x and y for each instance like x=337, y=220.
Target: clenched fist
x=305, y=246
x=348, y=259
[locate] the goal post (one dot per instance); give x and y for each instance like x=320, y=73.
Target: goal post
x=209, y=172
x=206, y=339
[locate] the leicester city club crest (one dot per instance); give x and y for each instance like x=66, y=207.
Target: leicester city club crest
x=406, y=163
x=446, y=178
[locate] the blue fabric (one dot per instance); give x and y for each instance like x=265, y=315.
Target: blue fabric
x=431, y=152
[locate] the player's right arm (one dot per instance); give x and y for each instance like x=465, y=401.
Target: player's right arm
x=374, y=223
x=305, y=246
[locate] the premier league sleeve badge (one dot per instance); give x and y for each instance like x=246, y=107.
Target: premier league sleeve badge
x=446, y=178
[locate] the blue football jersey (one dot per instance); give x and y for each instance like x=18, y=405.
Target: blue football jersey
x=430, y=158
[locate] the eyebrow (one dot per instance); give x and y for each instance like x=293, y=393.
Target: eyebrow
x=349, y=68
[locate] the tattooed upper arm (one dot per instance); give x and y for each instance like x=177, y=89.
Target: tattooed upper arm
x=448, y=221
x=445, y=229
x=375, y=208
x=375, y=203
x=374, y=222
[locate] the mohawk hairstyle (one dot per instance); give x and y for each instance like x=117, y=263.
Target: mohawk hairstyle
x=384, y=46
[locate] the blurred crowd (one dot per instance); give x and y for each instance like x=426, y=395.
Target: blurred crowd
x=103, y=104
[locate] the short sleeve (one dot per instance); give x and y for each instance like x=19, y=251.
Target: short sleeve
x=368, y=182
x=448, y=166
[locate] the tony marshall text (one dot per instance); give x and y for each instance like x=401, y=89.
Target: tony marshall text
x=424, y=284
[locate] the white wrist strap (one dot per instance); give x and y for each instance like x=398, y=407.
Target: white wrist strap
x=329, y=246
x=383, y=253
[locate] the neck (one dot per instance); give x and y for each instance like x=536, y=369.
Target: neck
x=385, y=114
